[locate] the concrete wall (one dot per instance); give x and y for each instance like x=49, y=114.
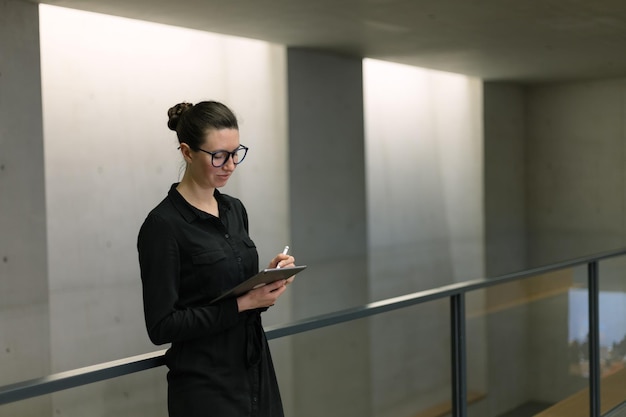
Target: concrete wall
x=424, y=202
x=506, y=232
x=576, y=169
x=396, y=226
x=505, y=245
x=24, y=326
x=554, y=188
x=576, y=177
x=110, y=158
x=329, y=230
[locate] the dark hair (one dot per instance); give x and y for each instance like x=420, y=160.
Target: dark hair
x=192, y=122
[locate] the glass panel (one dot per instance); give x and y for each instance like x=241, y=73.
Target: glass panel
x=38, y=406
x=396, y=364
x=612, y=308
x=410, y=361
x=519, y=338
x=142, y=394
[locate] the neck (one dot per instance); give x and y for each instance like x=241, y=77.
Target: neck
x=198, y=196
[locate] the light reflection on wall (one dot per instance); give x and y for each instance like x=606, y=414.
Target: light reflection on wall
x=425, y=224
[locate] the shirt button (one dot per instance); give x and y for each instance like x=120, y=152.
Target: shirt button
x=239, y=260
x=254, y=399
x=227, y=236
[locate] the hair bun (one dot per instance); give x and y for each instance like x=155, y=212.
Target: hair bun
x=174, y=114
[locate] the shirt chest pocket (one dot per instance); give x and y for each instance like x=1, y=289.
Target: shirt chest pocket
x=248, y=242
x=210, y=269
x=208, y=257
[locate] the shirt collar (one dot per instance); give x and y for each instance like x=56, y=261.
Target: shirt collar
x=189, y=212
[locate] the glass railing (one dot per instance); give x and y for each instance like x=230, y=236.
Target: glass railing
x=520, y=342
x=549, y=341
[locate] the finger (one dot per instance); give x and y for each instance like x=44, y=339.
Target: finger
x=286, y=261
x=275, y=285
x=279, y=260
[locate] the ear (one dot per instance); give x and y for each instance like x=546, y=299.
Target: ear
x=186, y=152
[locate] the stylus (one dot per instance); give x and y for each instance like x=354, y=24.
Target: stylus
x=285, y=252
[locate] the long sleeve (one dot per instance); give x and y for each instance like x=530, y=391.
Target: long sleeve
x=167, y=319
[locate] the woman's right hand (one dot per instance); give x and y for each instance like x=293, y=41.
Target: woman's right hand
x=261, y=297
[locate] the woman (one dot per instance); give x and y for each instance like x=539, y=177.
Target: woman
x=192, y=247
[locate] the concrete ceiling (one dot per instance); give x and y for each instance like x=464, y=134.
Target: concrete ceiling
x=508, y=40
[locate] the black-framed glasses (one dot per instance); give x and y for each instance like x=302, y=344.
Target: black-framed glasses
x=219, y=158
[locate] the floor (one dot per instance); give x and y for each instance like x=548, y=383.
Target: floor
x=618, y=412
x=526, y=410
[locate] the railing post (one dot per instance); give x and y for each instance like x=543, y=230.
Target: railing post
x=594, y=339
x=459, y=363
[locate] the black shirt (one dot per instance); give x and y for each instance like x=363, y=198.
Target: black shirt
x=219, y=361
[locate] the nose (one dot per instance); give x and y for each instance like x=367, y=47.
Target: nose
x=229, y=165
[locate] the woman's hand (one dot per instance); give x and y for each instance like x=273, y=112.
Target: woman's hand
x=267, y=295
x=283, y=261
x=263, y=296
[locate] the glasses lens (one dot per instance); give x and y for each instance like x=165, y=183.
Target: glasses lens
x=219, y=158
x=239, y=154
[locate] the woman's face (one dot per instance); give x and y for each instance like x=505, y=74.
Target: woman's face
x=203, y=171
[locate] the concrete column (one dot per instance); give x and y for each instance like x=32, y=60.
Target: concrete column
x=505, y=245
x=24, y=317
x=505, y=176
x=328, y=226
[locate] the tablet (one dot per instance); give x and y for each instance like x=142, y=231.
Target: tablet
x=265, y=276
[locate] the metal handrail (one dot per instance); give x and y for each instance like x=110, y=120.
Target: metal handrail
x=455, y=292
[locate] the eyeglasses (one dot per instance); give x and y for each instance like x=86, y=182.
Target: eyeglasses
x=219, y=158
